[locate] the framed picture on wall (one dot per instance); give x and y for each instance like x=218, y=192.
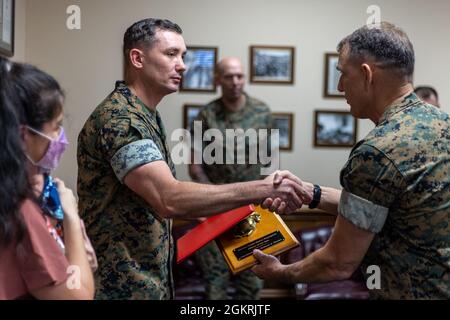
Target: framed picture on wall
x=332, y=75
x=200, y=68
x=272, y=64
x=284, y=121
x=334, y=129
x=190, y=112
x=7, y=28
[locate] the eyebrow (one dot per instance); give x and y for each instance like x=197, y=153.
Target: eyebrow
x=230, y=74
x=176, y=49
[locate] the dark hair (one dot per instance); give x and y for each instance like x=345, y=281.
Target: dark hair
x=29, y=97
x=387, y=44
x=426, y=92
x=14, y=186
x=142, y=34
x=39, y=95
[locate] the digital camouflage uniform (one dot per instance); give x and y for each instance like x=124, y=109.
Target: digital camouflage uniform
x=255, y=114
x=133, y=244
x=396, y=184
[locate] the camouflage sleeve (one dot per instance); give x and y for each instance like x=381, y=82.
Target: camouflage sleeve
x=371, y=185
x=125, y=147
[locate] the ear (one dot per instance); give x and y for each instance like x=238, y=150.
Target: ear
x=24, y=134
x=136, y=58
x=368, y=75
x=27, y=137
x=216, y=78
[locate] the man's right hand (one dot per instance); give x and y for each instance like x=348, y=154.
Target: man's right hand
x=289, y=193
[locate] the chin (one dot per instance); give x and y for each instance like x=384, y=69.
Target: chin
x=172, y=89
x=236, y=97
x=353, y=112
x=358, y=115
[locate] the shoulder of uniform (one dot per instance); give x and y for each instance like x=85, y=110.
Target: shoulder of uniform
x=212, y=107
x=212, y=104
x=379, y=147
x=376, y=142
x=258, y=104
x=113, y=106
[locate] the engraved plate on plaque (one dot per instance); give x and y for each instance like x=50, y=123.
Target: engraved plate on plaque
x=261, y=244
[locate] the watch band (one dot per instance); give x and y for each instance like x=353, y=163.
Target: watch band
x=316, y=197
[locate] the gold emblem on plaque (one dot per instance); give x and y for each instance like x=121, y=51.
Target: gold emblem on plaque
x=247, y=226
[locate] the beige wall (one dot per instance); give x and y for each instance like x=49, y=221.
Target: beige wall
x=88, y=61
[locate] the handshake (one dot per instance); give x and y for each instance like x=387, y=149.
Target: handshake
x=287, y=193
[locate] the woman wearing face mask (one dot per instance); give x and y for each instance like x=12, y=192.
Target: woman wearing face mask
x=36, y=259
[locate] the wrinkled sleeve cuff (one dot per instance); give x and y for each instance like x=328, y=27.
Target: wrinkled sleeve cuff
x=134, y=155
x=362, y=213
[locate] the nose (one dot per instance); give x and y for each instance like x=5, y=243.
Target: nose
x=180, y=66
x=236, y=80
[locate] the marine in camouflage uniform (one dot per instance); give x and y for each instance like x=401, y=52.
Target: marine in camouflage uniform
x=133, y=244
x=255, y=114
x=396, y=184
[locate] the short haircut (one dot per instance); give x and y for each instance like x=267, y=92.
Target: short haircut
x=426, y=92
x=142, y=34
x=387, y=44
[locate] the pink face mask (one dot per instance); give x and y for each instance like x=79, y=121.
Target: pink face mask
x=55, y=150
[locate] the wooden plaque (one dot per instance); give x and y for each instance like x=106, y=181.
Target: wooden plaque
x=272, y=236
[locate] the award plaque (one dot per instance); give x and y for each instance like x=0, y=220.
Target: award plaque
x=210, y=229
x=263, y=230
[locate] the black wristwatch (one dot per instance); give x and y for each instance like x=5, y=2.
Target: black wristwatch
x=316, y=197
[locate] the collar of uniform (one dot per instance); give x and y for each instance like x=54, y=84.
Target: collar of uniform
x=233, y=114
x=134, y=100
x=396, y=107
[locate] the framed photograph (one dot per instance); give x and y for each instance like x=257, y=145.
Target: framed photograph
x=272, y=64
x=284, y=121
x=190, y=112
x=200, y=68
x=332, y=75
x=334, y=129
x=7, y=28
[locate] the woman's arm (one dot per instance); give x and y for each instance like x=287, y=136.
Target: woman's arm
x=79, y=285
